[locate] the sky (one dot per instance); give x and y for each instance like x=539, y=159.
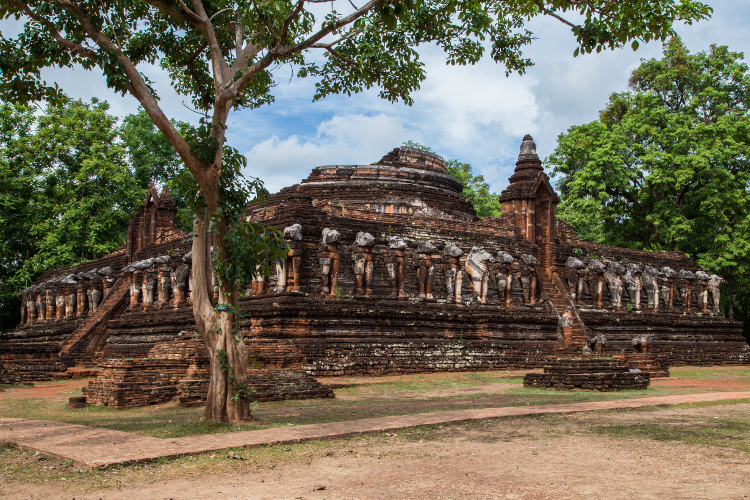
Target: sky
x=475, y=114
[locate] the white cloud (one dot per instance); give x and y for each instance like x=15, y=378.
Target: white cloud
x=350, y=139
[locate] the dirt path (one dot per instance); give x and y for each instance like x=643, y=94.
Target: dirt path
x=554, y=457
x=56, y=391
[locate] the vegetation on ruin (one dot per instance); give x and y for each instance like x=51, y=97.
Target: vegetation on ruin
x=476, y=189
x=666, y=166
x=221, y=55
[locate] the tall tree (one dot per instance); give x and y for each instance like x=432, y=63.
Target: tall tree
x=18, y=181
x=66, y=192
x=219, y=53
x=666, y=167
x=88, y=192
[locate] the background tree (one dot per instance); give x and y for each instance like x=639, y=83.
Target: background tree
x=666, y=167
x=18, y=180
x=69, y=185
x=66, y=192
x=87, y=192
x=151, y=156
x=476, y=189
x=219, y=53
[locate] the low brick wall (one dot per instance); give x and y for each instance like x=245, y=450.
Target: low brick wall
x=129, y=383
x=179, y=369
x=32, y=370
x=587, y=374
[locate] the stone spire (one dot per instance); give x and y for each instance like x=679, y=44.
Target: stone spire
x=528, y=169
x=530, y=200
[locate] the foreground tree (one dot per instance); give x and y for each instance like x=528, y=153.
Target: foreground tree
x=666, y=167
x=220, y=53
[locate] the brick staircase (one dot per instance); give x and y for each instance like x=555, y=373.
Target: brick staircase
x=74, y=345
x=560, y=301
x=644, y=362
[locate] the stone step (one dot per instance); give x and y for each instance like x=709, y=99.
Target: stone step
x=117, y=293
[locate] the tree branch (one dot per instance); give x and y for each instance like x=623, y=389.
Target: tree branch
x=173, y=11
x=548, y=12
x=335, y=53
x=289, y=18
x=139, y=89
x=222, y=10
x=331, y=27
x=235, y=89
x=75, y=48
x=192, y=14
x=218, y=62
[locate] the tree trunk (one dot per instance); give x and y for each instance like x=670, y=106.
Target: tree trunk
x=226, y=349
x=225, y=403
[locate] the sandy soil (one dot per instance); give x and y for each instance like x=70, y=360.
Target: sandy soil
x=525, y=458
x=58, y=391
x=702, y=385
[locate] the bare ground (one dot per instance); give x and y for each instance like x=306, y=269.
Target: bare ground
x=556, y=457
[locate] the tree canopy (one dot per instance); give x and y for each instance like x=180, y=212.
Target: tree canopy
x=17, y=185
x=151, y=156
x=666, y=167
x=220, y=54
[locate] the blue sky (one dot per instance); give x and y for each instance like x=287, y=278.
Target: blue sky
x=475, y=114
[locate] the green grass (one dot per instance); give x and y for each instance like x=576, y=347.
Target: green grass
x=427, y=382
x=169, y=420
x=727, y=433
x=379, y=397
x=162, y=421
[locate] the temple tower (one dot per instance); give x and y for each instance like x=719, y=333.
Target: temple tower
x=154, y=220
x=531, y=200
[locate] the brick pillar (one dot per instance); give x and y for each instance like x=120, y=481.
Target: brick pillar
x=81, y=298
x=70, y=301
x=31, y=312
x=24, y=298
x=135, y=279
x=59, y=304
x=702, y=296
x=41, y=305
x=164, y=285
x=638, y=286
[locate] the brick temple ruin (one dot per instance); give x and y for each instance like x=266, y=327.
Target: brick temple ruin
x=390, y=271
